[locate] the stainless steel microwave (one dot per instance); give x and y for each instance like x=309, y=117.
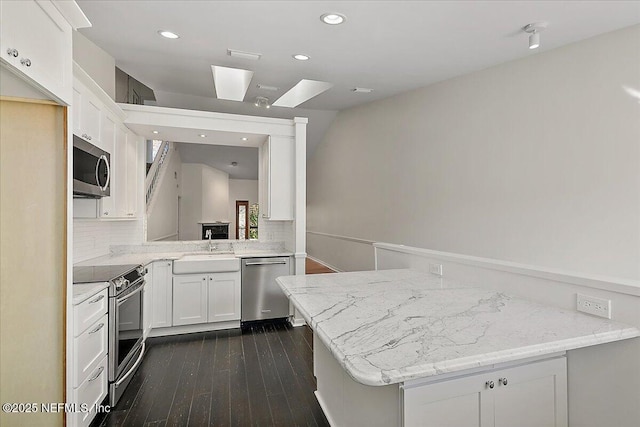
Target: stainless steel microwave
x=91, y=170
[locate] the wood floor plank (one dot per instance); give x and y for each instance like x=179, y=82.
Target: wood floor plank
x=200, y=410
x=162, y=401
x=155, y=373
x=262, y=377
x=300, y=410
x=240, y=408
x=260, y=410
x=183, y=398
x=204, y=377
x=220, y=413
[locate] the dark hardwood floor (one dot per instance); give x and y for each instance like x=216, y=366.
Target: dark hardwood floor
x=260, y=377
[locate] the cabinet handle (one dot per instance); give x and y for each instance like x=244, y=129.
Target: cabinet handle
x=489, y=384
x=169, y=264
x=97, y=299
x=503, y=381
x=12, y=52
x=95, y=377
x=26, y=62
x=100, y=326
x=106, y=213
x=87, y=137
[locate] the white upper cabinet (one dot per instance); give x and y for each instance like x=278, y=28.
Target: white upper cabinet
x=87, y=115
x=35, y=43
x=277, y=178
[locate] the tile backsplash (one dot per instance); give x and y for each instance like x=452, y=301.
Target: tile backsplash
x=93, y=238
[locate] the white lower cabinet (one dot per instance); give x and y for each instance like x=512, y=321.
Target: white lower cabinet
x=223, y=297
x=532, y=395
x=162, y=297
x=147, y=302
x=90, y=356
x=189, y=299
x=206, y=298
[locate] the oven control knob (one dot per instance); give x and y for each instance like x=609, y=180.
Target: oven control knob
x=142, y=271
x=119, y=282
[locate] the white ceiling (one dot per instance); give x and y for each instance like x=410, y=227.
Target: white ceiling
x=220, y=157
x=389, y=46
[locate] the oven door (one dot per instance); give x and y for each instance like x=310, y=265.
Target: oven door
x=126, y=328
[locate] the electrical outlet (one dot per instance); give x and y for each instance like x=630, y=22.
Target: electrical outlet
x=435, y=269
x=594, y=305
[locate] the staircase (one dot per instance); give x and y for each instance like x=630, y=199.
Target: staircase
x=155, y=172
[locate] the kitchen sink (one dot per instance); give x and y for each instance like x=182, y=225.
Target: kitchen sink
x=206, y=263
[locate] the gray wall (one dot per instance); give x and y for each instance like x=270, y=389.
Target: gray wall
x=96, y=62
x=535, y=161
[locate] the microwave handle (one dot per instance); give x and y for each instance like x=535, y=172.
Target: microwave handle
x=106, y=162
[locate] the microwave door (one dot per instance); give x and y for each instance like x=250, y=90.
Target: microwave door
x=91, y=172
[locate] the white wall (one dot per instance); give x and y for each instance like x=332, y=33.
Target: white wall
x=215, y=195
x=535, y=161
x=204, y=198
x=240, y=189
x=96, y=62
x=162, y=219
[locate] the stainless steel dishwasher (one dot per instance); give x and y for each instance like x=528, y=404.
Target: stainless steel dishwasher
x=262, y=298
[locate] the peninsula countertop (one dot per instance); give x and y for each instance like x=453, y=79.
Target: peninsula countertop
x=390, y=326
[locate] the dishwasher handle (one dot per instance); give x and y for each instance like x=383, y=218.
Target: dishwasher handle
x=266, y=262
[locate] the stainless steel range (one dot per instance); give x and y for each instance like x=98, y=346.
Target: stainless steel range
x=126, y=342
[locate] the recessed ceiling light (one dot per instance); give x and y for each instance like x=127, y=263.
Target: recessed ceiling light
x=168, y=34
x=234, y=164
x=244, y=138
x=301, y=57
x=202, y=135
x=333, y=18
x=156, y=132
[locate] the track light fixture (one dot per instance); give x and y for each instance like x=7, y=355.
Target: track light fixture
x=534, y=30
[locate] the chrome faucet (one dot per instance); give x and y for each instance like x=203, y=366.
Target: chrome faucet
x=212, y=247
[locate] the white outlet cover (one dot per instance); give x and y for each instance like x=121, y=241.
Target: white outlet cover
x=593, y=305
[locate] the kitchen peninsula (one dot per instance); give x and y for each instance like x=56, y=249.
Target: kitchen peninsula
x=400, y=347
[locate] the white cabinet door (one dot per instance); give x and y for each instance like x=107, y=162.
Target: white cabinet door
x=147, y=302
x=133, y=142
x=107, y=205
x=533, y=395
x=224, y=297
x=278, y=178
x=119, y=170
x=35, y=41
x=162, y=297
x=189, y=299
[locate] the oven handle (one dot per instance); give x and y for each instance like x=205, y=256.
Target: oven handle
x=133, y=368
x=129, y=295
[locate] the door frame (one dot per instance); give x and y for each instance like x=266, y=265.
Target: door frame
x=244, y=203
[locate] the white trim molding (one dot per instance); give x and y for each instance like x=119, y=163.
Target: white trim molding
x=347, y=238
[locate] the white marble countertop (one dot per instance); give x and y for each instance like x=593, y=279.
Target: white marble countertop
x=83, y=291
x=390, y=326
x=146, y=258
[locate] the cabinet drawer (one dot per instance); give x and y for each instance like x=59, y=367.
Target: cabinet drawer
x=87, y=312
x=89, y=349
x=91, y=393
